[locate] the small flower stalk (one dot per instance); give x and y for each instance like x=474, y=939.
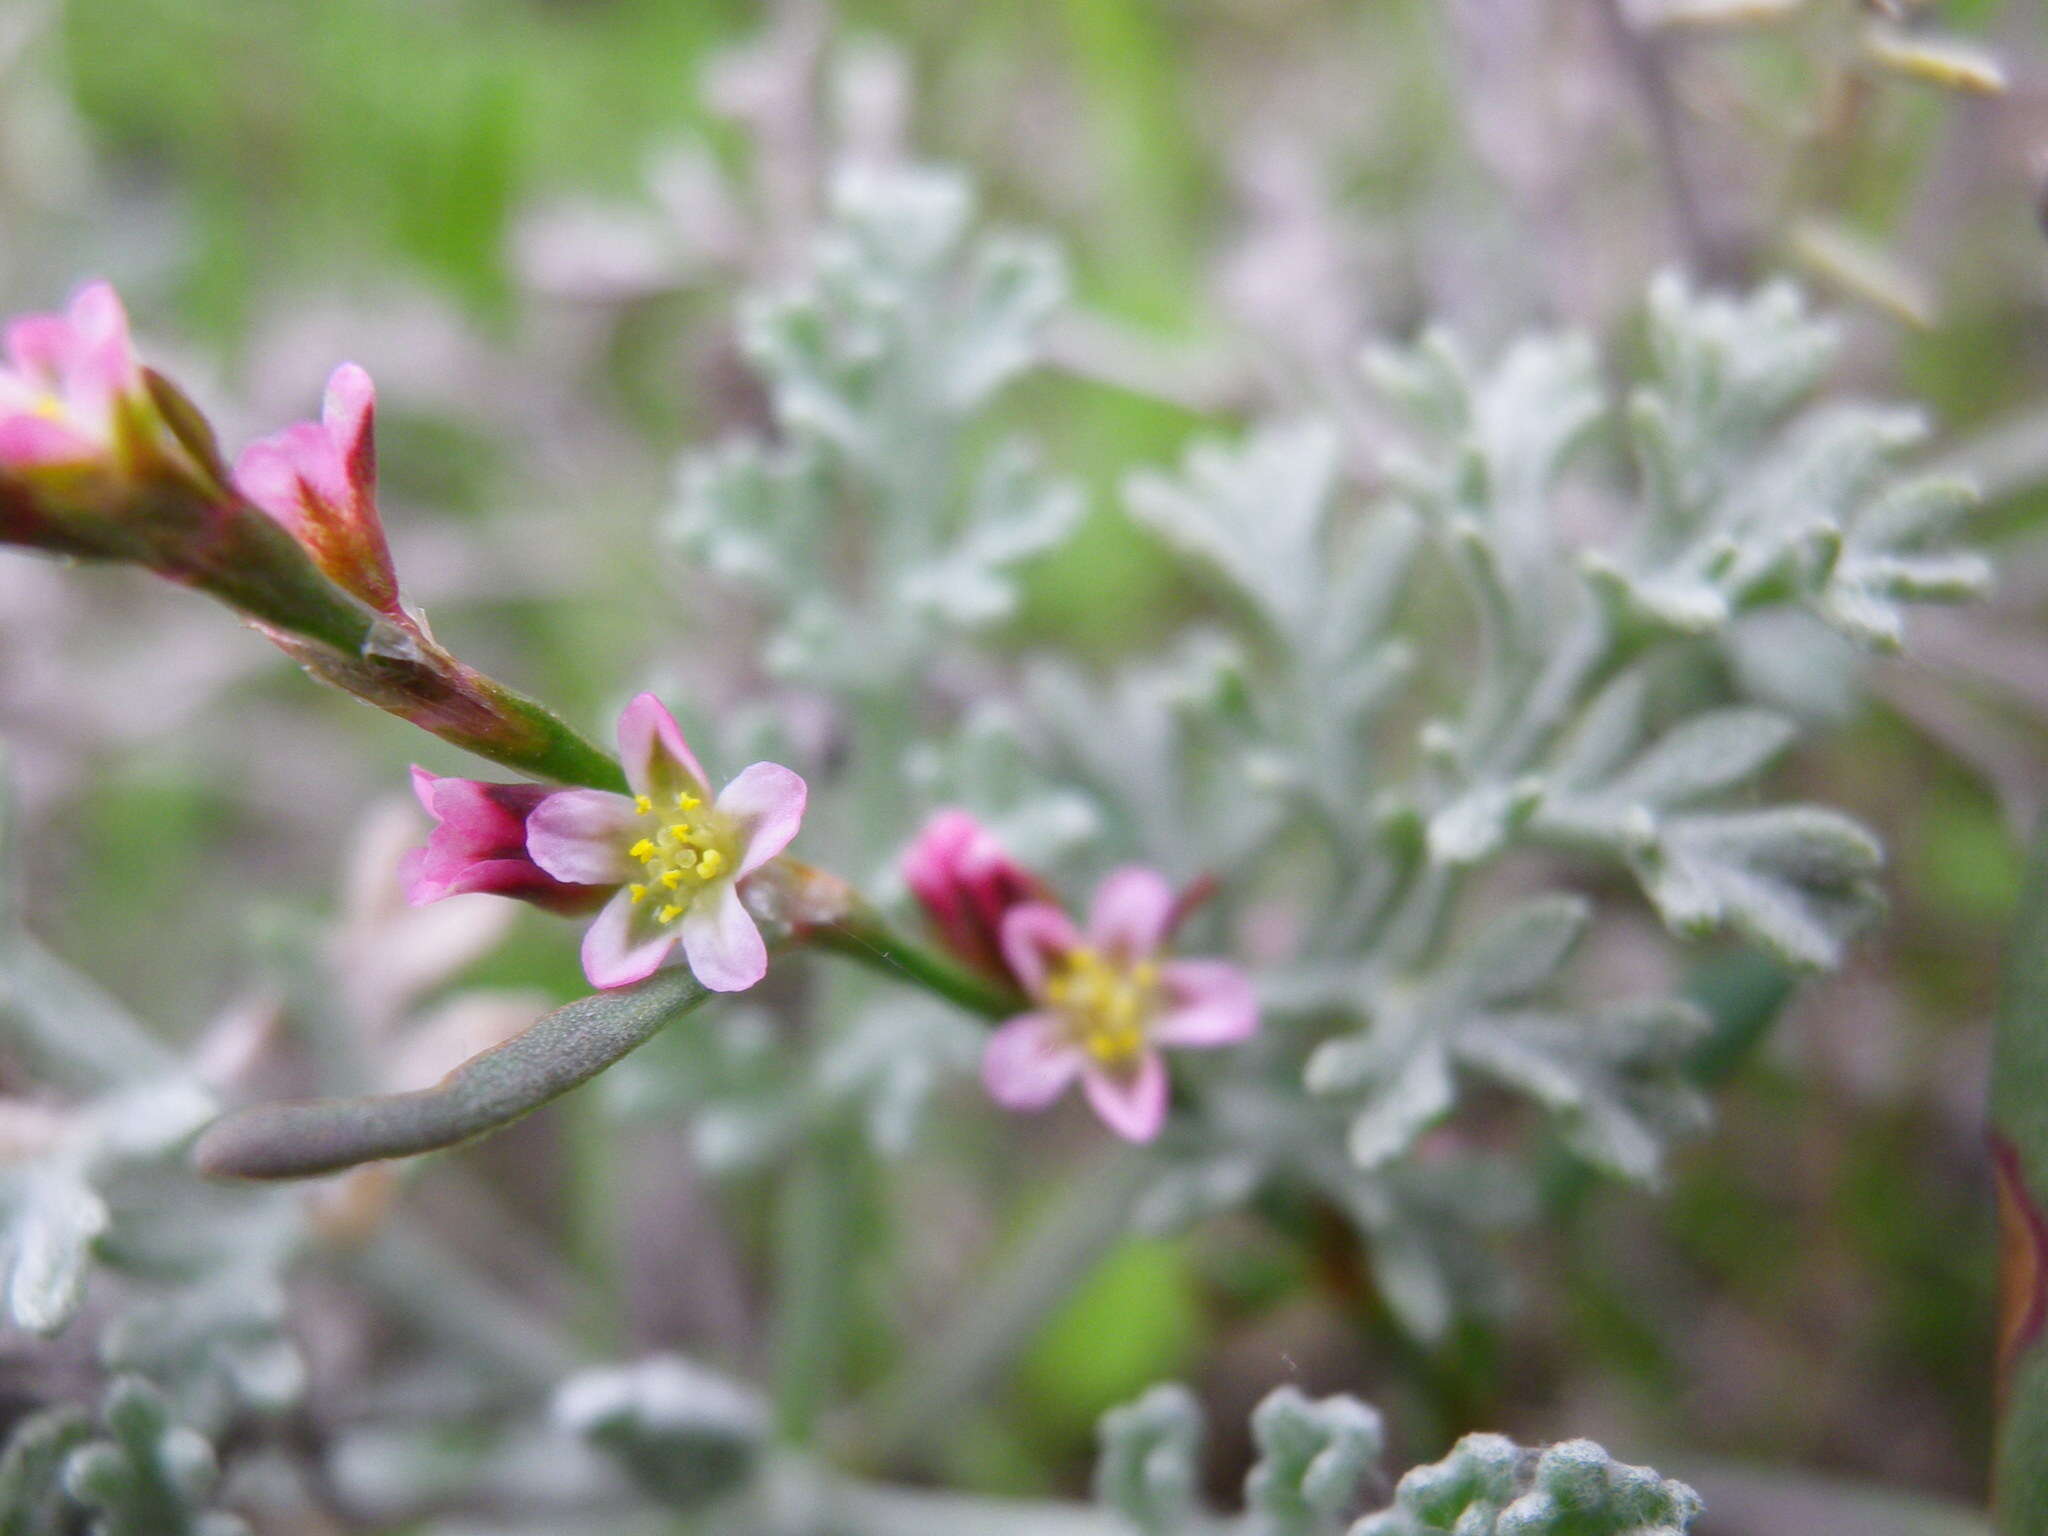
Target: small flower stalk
x=1104, y=1001
x=665, y=862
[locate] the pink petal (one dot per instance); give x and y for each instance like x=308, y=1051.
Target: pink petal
x=652, y=748
x=27, y=441
x=348, y=413
x=765, y=803
x=423, y=784
x=1209, y=1002
x=621, y=947
x=581, y=835
x=103, y=364
x=1027, y=1063
x=1133, y=1103
x=38, y=347
x=1034, y=935
x=721, y=942
x=1132, y=912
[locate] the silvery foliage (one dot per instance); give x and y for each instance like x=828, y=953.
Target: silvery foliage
x=877, y=362
x=1319, y=1462
x=1573, y=722
x=95, y=1181
x=685, y=1435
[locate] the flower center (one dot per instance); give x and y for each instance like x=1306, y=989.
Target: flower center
x=1105, y=1006
x=679, y=852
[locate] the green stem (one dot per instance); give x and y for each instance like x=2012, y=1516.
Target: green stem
x=865, y=938
x=816, y=1236
x=904, y=1415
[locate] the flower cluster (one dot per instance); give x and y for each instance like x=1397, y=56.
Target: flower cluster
x=1101, y=999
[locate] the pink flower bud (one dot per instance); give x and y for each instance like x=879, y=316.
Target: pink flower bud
x=967, y=884
x=479, y=845
x=319, y=479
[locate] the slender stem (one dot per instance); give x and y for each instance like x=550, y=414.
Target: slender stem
x=864, y=937
x=816, y=1236
x=903, y=1415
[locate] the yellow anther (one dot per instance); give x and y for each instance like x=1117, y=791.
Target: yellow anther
x=680, y=829
x=642, y=850
x=639, y=893
x=643, y=804
x=672, y=879
x=686, y=802
x=669, y=913
x=710, y=862
x=666, y=837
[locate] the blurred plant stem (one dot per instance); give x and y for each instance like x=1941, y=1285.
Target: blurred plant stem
x=597, y=1225
x=2019, y=1155
x=1092, y=1215
x=816, y=1242
x=865, y=938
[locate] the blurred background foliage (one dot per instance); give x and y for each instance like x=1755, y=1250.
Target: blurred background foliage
x=1247, y=189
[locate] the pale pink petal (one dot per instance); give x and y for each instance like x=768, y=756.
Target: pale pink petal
x=721, y=942
x=581, y=835
x=38, y=347
x=423, y=784
x=1131, y=1103
x=1034, y=935
x=649, y=739
x=622, y=946
x=103, y=364
x=1027, y=1062
x=1208, y=1002
x=26, y=441
x=1133, y=909
x=765, y=804
x=348, y=411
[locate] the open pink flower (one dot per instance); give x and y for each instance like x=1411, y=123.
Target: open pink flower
x=673, y=854
x=63, y=382
x=967, y=883
x=1107, y=1001
x=479, y=844
x=319, y=479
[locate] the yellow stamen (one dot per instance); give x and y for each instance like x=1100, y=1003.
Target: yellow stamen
x=669, y=913
x=639, y=893
x=672, y=879
x=686, y=802
x=710, y=862
x=642, y=804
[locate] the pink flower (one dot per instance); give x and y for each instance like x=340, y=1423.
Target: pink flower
x=319, y=479
x=1106, y=1002
x=479, y=844
x=673, y=861
x=64, y=382
x=967, y=884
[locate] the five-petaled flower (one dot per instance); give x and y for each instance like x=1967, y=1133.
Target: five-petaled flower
x=669, y=856
x=1107, y=1000
x=319, y=479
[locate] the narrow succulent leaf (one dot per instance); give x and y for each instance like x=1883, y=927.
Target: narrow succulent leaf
x=566, y=1048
